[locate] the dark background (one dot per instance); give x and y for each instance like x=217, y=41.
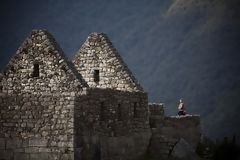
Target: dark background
x=175, y=48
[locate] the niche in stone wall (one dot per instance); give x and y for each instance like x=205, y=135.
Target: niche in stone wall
x=119, y=112
x=12, y=69
x=102, y=112
x=152, y=123
x=96, y=76
x=135, y=110
x=64, y=68
x=35, y=70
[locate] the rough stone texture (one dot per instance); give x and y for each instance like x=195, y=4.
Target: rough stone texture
x=56, y=73
x=48, y=111
x=185, y=151
x=98, y=53
x=186, y=127
x=53, y=109
x=167, y=131
x=156, y=114
x=156, y=109
x=161, y=146
x=36, y=112
x=111, y=131
x=41, y=127
x=2, y=143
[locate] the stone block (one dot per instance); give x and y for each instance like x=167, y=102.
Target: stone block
x=6, y=154
x=21, y=156
x=38, y=142
x=39, y=156
x=25, y=143
x=184, y=150
x=19, y=150
x=13, y=143
x=44, y=149
x=31, y=150
x=78, y=153
x=69, y=156
x=2, y=143
x=53, y=156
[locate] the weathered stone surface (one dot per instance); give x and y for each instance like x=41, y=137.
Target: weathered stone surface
x=167, y=131
x=13, y=143
x=21, y=156
x=2, y=143
x=156, y=114
x=53, y=109
x=184, y=151
x=186, y=127
x=38, y=79
x=69, y=156
x=38, y=142
x=37, y=156
x=99, y=54
x=111, y=126
x=6, y=154
x=156, y=109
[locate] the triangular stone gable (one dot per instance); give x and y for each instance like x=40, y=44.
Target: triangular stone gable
x=40, y=65
x=98, y=57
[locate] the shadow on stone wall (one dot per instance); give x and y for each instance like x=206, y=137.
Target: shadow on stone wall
x=36, y=126
x=101, y=132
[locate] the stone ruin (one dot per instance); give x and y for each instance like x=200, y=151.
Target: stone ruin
x=92, y=108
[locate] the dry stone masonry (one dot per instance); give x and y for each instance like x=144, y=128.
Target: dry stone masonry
x=102, y=67
x=90, y=109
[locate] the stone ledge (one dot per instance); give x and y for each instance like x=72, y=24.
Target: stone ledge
x=185, y=116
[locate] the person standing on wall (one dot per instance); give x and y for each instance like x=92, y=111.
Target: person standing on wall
x=181, y=111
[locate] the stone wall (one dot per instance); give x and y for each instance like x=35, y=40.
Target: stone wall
x=40, y=65
x=48, y=110
x=37, y=101
x=156, y=111
x=169, y=130
x=98, y=56
x=70, y=126
x=36, y=126
x=120, y=132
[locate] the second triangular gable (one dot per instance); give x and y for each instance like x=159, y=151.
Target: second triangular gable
x=102, y=67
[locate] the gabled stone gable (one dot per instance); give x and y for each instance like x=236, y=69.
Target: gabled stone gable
x=40, y=51
x=98, y=55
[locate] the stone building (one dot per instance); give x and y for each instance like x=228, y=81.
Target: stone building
x=91, y=108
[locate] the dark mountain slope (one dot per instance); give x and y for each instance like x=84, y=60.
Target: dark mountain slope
x=194, y=54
